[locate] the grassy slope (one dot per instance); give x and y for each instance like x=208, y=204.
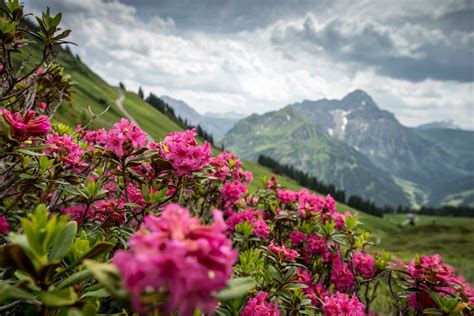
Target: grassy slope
x=452, y=237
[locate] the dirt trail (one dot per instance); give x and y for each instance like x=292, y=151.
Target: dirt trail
x=119, y=103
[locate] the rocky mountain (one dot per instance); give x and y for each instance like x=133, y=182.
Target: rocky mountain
x=357, y=121
x=226, y=115
x=439, y=125
x=217, y=124
x=292, y=138
x=416, y=162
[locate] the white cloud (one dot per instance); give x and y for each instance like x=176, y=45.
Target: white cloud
x=245, y=71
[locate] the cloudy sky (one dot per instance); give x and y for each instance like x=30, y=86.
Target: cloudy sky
x=416, y=58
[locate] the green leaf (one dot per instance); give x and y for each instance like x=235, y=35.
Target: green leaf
x=10, y=292
x=63, y=244
x=75, y=278
x=236, y=288
x=108, y=276
x=294, y=286
x=62, y=297
x=29, y=152
x=432, y=311
x=97, y=250
x=14, y=256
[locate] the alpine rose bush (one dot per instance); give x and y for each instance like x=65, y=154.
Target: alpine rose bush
x=174, y=253
x=341, y=304
x=259, y=306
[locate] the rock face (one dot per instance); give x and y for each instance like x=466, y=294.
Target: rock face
x=376, y=133
x=395, y=153
x=217, y=124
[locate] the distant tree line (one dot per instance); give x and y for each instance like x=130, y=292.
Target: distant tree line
x=167, y=110
x=355, y=201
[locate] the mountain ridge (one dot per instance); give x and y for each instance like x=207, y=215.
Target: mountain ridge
x=214, y=123
x=413, y=160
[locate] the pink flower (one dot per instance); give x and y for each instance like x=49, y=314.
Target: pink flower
x=184, y=153
x=134, y=196
x=316, y=244
x=310, y=202
x=272, y=183
x=4, y=226
x=283, y=252
x=312, y=291
x=364, y=264
x=76, y=212
x=286, y=196
x=227, y=165
x=174, y=253
x=341, y=276
x=65, y=150
x=26, y=126
x=442, y=277
x=431, y=269
x=341, y=304
x=261, y=229
x=232, y=191
x=259, y=306
x=296, y=237
x=108, y=210
x=124, y=137
x=42, y=105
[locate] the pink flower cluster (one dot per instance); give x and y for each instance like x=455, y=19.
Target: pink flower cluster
x=24, y=127
x=309, y=245
x=430, y=273
x=341, y=275
x=228, y=166
x=311, y=204
x=260, y=306
x=4, y=226
x=184, y=153
x=286, y=196
x=283, y=251
x=341, y=304
x=364, y=264
x=232, y=191
x=176, y=254
x=315, y=203
x=255, y=218
x=312, y=291
x=121, y=139
x=109, y=211
x=66, y=150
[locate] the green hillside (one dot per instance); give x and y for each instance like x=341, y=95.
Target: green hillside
x=453, y=238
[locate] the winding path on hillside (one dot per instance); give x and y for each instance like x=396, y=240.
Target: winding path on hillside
x=119, y=103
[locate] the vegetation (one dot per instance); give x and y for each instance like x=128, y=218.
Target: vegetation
x=106, y=221
x=357, y=202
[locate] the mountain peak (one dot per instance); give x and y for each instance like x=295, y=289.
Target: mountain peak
x=448, y=124
x=358, y=99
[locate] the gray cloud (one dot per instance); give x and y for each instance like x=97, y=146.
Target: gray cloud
x=403, y=50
